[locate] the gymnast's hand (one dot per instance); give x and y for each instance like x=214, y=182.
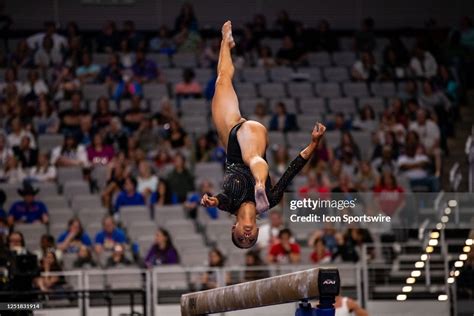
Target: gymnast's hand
x=209, y=201
x=318, y=132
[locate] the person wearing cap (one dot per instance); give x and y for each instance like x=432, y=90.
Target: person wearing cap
x=29, y=210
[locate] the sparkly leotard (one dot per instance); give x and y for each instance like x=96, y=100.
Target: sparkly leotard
x=239, y=184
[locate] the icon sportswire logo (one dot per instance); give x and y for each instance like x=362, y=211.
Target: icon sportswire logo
x=329, y=282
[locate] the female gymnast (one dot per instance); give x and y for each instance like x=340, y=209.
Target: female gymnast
x=247, y=189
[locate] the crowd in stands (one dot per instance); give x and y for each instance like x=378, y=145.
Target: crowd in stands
x=149, y=154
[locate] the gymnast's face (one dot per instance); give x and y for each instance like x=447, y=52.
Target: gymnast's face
x=245, y=230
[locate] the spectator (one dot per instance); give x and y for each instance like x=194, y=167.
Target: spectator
x=21, y=57
x=365, y=69
x=43, y=171
x=46, y=56
x=345, y=188
x=209, y=278
x=265, y=57
x=320, y=254
x=86, y=130
x=112, y=73
x=432, y=99
x=147, y=181
x=71, y=240
x=268, y=231
x=12, y=171
x=366, y=177
x=46, y=120
x=187, y=40
x=318, y=185
x=27, y=156
x=386, y=162
x=118, y=257
x=387, y=138
x=289, y=54
x=108, y=39
x=47, y=245
x=133, y=116
x=328, y=235
x=5, y=151
x=284, y=251
x=366, y=120
x=194, y=200
x=71, y=117
x=364, y=39
x=177, y=136
x=252, y=261
x=59, y=42
x=186, y=17
x=189, y=87
x=87, y=72
x=70, y=154
x=423, y=64
x=281, y=160
x=350, y=244
x=109, y=236
x=33, y=87
x=10, y=78
x=180, y=180
x=446, y=82
x=339, y=124
x=393, y=67
x=467, y=33
x=84, y=258
x=260, y=114
x=117, y=172
x=18, y=132
x=388, y=195
x=347, y=306
x=347, y=144
x=116, y=136
x=129, y=195
x=323, y=155
x=162, y=251
x=409, y=90
x=102, y=116
x=162, y=42
x=99, y=153
x=50, y=282
x=144, y=69
x=349, y=162
x=203, y=149
x=29, y=210
x=127, y=57
x=134, y=38
x=65, y=84
x=324, y=39
x=16, y=244
x=284, y=24
x=282, y=120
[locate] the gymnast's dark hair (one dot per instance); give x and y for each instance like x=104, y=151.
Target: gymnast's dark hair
x=236, y=243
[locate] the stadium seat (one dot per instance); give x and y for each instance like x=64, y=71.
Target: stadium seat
x=281, y=74
x=364, y=141
x=203, y=75
x=125, y=278
x=312, y=73
x=94, y=91
x=87, y=201
x=168, y=212
x=255, y=75
x=383, y=89
x=136, y=228
x=32, y=234
x=300, y=90
x=171, y=278
x=209, y=169
x=88, y=216
x=344, y=58
x=313, y=106
x=100, y=59
x=59, y=216
x=55, y=202
x=298, y=139
x=184, y=60
x=46, y=189
x=129, y=214
x=346, y=43
x=155, y=90
x=306, y=122
x=245, y=90
x=378, y=104
x=247, y=106
x=47, y=142
x=194, y=257
x=73, y=188
x=190, y=107
x=328, y=90
x=272, y=90
x=127, y=104
x=355, y=89
x=69, y=173
x=336, y=74
x=66, y=105
x=195, y=124
x=173, y=76
x=162, y=60
x=320, y=59
x=346, y=106
x=276, y=138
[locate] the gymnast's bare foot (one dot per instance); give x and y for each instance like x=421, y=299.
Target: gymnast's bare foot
x=261, y=200
x=227, y=34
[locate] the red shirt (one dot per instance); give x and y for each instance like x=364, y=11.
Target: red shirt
x=280, y=254
x=306, y=190
x=389, y=199
x=315, y=258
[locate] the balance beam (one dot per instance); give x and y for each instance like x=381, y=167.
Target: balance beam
x=280, y=289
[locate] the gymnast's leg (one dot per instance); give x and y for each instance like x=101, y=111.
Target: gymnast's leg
x=225, y=105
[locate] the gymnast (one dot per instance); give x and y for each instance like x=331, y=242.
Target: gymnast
x=247, y=189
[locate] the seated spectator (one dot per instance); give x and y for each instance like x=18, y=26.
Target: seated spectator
x=144, y=69
x=388, y=194
x=281, y=160
x=12, y=171
x=284, y=251
x=103, y=115
x=86, y=130
x=16, y=244
x=323, y=155
x=399, y=111
x=180, y=180
x=129, y=195
x=260, y=115
x=112, y=73
x=43, y=171
x=282, y=120
x=162, y=251
x=289, y=54
x=339, y=123
x=118, y=258
x=393, y=67
x=366, y=120
x=46, y=56
x=18, y=131
x=414, y=165
x=65, y=84
x=203, y=149
x=423, y=64
x=189, y=87
x=365, y=69
x=350, y=163
x=71, y=117
x=116, y=136
x=345, y=188
x=265, y=57
x=366, y=177
x=386, y=162
x=84, y=258
x=147, y=182
x=133, y=116
x=25, y=154
x=29, y=210
x=5, y=151
x=186, y=17
x=283, y=23
x=268, y=231
x=59, y=42
x=134, y=37
x=253, y=260
x=209, y=278
x=177, y=136
x=46, y=120
x=187, y=40
x=108, y=39
x=328, y=235
x=318, y=185
x=325, y=39
x=446, y=82
x=320, y=254
x=99, y=153
x=347, y=143
x=433, y=100
x=364, y=39
x=71, y=240
x=33, y=87
x=117, y=172
x=350, y=244
x=47, y=244
x=70, y=154
x=50, y=282
x=22, y=56
x=192, y=203
x=109, y=236
x=88, y=71
x=162, y=43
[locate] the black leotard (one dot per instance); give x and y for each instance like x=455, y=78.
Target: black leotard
x=239, y=183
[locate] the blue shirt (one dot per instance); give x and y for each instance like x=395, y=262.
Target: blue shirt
x=74, y=247
x=3, y=214
x=109, y=240
x=211, y=211
x=28, y=213
x=124, y=199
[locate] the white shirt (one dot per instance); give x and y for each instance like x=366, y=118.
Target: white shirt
x=80, y=154
x=343, y=310
x=4, y=154
x=15, y=139
x=36, y=41
x=38, y=87
x=266, y=233
x=43, y=175
x=413, y=174
x=147, y=183
x=428, y=68
x=429, y=132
